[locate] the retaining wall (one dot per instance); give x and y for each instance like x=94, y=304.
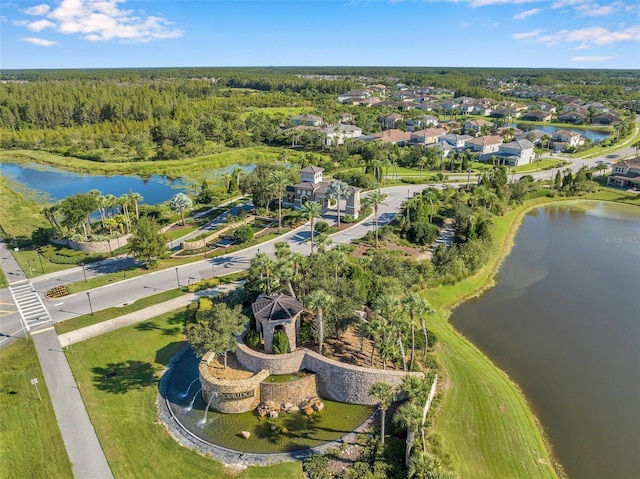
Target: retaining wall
x=294, y=392
x=95, y=246
x=201, y=243
x=334, y=380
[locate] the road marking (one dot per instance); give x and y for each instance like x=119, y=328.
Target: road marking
x=42, y=330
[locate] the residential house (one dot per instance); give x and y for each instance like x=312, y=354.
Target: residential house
x=625, y=174
x=567, y=139
x=537, y=115
x=541, y=106
x=345, y=118
x=474, y=127
x=456, y=141
x=350, y=95
x=306, y=120
x=534, y=136
x=606, y=119
x=393, y=136
x=515, y=153
x=367, y=102
x=313, y=187
x=484, y=146
x=388, y=122
x=574, y=117
x=507, y=113
x=421, y=122
x=427, y=136
x=336, y=134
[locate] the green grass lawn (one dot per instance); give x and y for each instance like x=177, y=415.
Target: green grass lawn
x=123, y=410
x=30, y=441
x=19, y=210
x=114, y=312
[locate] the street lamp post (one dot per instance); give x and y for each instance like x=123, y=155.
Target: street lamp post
x=41, y=265
x=84, y=272
x=178, y=277
x=30, y=268
x=90, y=307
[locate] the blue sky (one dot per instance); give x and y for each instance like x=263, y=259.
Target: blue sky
x=183, y=33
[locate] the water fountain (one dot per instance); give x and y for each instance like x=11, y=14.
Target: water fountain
x=190, y=406
x=186, y=393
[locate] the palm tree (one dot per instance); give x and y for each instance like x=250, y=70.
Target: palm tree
x=409, y=417
x=374, y=199
x=279, y=180
x=136, y=199
x=265, y=266
x=417, y=307
x=338, y=190
x=319, y=301
x=423, y=466
x=226, y=180
x=124, y=202
x=387, y=307
x=311, y=210
x=384, y=394
x=431, y=194
x=180, y=202
x=322, y=242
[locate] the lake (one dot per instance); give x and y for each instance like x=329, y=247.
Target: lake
x=563, y=322
x=593, y=135
x=58, y=184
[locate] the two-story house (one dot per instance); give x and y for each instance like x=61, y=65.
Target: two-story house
x=567, y=139
x=428, y=136
x=474, y=127
x=515, y=153
x=485, y=146
x=337, y=134
x=306, y=120
x=456, y=141
x=388, y=122
x=313, y=187
x=625, y=174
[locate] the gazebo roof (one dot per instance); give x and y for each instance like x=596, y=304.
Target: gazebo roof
x=276, y=308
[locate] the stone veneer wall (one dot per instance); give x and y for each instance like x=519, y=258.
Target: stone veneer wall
x=294, y=392
x=335, y=380
x=214, y=389
x=95, y=246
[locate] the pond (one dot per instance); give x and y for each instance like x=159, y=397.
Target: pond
x=593, y=135
x=562, y=321
x=57, y=184
x=289, y=432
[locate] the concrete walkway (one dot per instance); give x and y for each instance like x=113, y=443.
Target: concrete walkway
x=174, y=304
x=84, y=450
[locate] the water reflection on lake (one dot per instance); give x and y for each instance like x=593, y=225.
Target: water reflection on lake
x=563, y=321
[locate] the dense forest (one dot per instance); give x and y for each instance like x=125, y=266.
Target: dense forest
x=160, y=114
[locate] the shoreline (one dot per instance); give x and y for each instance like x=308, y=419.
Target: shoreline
x=491, y=270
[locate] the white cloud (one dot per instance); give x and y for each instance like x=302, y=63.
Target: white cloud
x=40, y=41
x=101, y=20
x=527, y=13
x=525, y=35
x=590, y=59
x=37, y=9
x=485, y=3
x=589, y=8
x=35, y=26
x=585, y=36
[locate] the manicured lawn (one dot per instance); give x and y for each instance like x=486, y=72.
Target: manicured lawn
x=30, y=441
x=114, y=312
x=123, y=411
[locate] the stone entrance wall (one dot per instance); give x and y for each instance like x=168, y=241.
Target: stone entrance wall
x=230, y=396
x=335, y=380
x=294, y=392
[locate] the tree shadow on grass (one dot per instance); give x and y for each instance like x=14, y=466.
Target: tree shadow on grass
x=119, y=378
x=164, y=354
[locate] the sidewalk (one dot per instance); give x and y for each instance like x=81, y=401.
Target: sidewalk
x=175, y=304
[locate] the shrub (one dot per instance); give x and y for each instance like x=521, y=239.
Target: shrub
x=253, y=339
x=243, y=234
x=349, y=219
x=422, y=233
x=317, y=467
x=280, y=342
x=321, y=226
x=203, y=284
x=41, y=236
